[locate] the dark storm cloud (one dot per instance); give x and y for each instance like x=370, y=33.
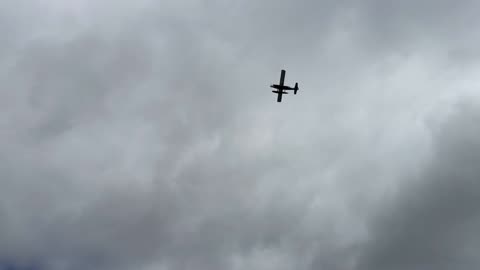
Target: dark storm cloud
x=430, y=223
x=136, y=136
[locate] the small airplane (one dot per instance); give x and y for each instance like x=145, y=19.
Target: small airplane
x=281, y=87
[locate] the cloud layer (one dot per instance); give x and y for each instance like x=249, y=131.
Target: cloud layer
x=144, y=135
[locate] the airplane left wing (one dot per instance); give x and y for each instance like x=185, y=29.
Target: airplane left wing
x=282, y=77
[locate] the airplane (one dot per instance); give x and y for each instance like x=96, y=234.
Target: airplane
x=281, y=87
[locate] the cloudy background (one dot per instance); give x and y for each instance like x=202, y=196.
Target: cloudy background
x=143, y=135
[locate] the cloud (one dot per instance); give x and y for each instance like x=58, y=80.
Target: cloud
x=430, y=223
x=144, y=136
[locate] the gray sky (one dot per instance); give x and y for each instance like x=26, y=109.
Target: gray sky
x=143, y=135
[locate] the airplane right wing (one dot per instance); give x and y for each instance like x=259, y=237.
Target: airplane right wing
x=282, y=77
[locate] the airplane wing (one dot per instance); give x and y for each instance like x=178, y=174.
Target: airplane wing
x=282, y=77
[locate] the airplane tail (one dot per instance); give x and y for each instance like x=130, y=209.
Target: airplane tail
x=295, y=89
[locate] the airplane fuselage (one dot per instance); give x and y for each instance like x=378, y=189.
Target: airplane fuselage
x=277, y=86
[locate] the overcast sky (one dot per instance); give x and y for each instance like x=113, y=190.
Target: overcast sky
x=144, y=135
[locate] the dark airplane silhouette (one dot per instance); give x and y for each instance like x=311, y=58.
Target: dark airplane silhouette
x=281, y=87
